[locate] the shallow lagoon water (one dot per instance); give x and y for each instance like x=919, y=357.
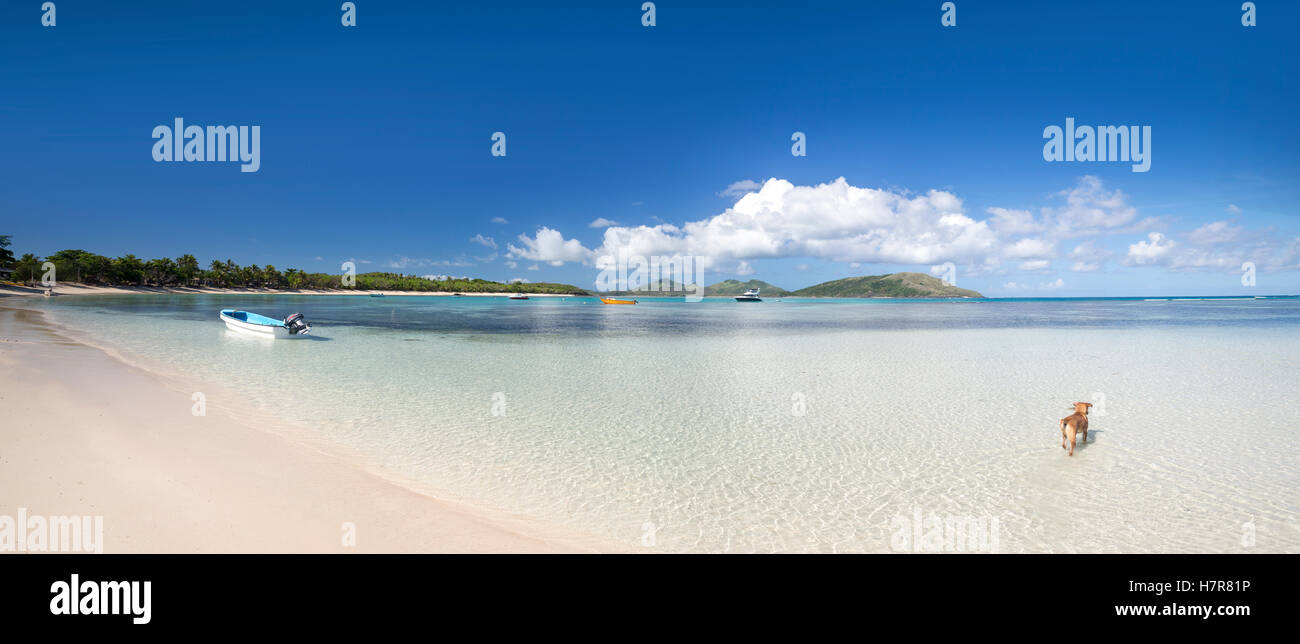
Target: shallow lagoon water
x=798, y=425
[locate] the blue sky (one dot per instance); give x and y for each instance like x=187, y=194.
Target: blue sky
x=375, y=139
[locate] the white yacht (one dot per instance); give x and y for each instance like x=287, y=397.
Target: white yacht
x=749, y=296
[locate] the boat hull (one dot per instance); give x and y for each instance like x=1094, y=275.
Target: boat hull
x=610, y=300
x=748, y=299
x=250, y=328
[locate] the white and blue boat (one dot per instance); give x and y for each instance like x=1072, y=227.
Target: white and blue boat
x=253, y=323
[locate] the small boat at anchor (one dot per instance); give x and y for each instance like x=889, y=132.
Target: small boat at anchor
x=252, y=323
x=518, y=296
x=611, y=300
x=749, y=296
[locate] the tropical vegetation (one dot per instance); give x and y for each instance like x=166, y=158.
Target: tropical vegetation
x=83, y=267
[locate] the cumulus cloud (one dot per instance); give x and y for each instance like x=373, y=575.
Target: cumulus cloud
x=1217, y=246
x=1089, y=209
x=1150, y=252
x=741, y=188
x=1058, y=283
x=1218, y=232
x=601, y=222
x=839, y=222
x=1232, y=208
x=486, y=241
x=1088, y=257
x=1014, y=222
x=550, y=246
x=833, y=221
x=411, y=262
x=500, y=220
x=1029, y=248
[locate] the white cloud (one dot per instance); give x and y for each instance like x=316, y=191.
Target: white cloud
x=534, y=267
x=601, y=222
x=1088, y=257
x=1151, y=252
x=839, y=222
x=512, y=264
x=834, y=221
x=500, y=220
x=1090, y=209
x=1029, y=248
x=549, y=246
x=1232, y=208
x=410, y=262
x=1217, y=246
x=745, y=268
x=1014, y=222
x=519, y=280
x=1045, y=286
x=741, y=188
x=1218, y=232
x=486, y=241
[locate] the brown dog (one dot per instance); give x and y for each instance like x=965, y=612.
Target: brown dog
x=1076, y=422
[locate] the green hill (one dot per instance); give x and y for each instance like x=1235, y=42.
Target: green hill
x=892, y=285
x=664, y=287
x=736, y=287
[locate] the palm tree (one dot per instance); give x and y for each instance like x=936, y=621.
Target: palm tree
x=187, y=268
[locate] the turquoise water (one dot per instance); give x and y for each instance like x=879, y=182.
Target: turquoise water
x=793, y=425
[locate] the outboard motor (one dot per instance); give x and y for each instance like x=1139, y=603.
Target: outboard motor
x=296, y=324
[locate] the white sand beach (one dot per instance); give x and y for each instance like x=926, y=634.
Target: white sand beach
x=87, y=434
x=72, y=288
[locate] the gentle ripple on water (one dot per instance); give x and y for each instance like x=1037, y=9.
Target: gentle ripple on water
x=680, y=424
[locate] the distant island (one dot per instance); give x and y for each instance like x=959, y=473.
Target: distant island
x=732, y=288
x=906, y=285
x=891, y=285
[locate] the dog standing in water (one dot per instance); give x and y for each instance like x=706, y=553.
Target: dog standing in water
x=1076, y=422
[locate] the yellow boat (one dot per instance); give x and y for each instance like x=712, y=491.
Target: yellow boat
x=610, y=300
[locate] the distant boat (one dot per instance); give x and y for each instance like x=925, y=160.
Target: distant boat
x=376, y=295
x=749, y=296
x=610, y=300
x=518, y=296
x=261, y=325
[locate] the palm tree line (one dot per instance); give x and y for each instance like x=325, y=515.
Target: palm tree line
x=80, y=266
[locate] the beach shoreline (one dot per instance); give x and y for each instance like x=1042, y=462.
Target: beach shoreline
x=92, y=434
x=82, y=289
